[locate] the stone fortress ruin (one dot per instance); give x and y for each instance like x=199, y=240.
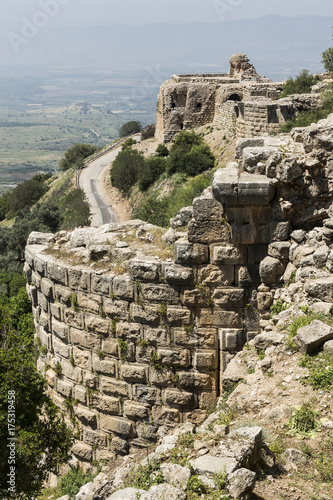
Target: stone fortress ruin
x=241, y=102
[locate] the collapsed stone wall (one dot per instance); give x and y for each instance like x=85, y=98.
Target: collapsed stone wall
x=132, y=342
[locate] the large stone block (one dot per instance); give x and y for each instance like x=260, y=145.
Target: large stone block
x=205, y=360
x=225, y=184
x=104, y=365
x=190, y=253
x=85, y=416
x=118, y=308
x=156, y=336
x=110, y=346
x=174, y=358
x=194, y=380
x=136, y=411
x=207, y=208
x=178, y=398
x=79, y=279
x=207, y=232
x=177, y=274
x=47, y=288
x=229, y=298
x=61, y=330
x=144, y=270
x=82, y=358
x=146, y=314
x=120, y=426
x=57, y=272
x=73, y=318
x=320, y=289
x=270, y=269
x=219, y=318
x=104, y=404
x=129, y=331
x=64, y=388
x=159, y=293
x=227, y=254
x=71, y=372
x=166, y=416
x=85, y=339
x=97, y=325
x=146, y=394
x=123, y=288
x=134, y=373
x=89, y=302
x=60, y=348
x=101, y=284
x=82, y=451
x=94, y=438
x=177, y=316
x=279, y=230
x=255, y=189
x=312, y=336
x=113, y=387
x=216, y=275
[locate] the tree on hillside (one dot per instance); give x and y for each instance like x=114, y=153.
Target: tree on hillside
x=130, y=128
x=42, y=439
x=27, y=193
x=125, y=169
x=327, y=59
x=189, y=154
x=148, y=132
x=75, y=155
x=300, y=85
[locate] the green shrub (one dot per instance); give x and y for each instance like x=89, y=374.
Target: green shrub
x=327, y=60
x=324, y=461
x=144, y=477
x=128, y=144
x=75, y=478
x=162, y=151
x=125, y=170
x=151, y=170
x=148, y=132
x=189, y=155
x=196, y=485
x=321, y=370
x=75, y=210
x=278, y=307
x=75, y=155
x=303, y=422
x=300, y=85
x=129, y=128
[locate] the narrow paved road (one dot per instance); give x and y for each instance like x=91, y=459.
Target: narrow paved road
x=91, y=181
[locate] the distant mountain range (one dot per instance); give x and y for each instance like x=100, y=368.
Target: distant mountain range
x=277, y=46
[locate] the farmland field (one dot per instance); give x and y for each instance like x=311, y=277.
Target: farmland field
x=43, y=113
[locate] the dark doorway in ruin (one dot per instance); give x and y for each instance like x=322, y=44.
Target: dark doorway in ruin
x=234, y=97
x=173, y=105
x=199, y=106
x=181, y=126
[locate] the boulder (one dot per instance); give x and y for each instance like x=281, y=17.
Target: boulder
x=328, y=346
x=250, y=453
x=86, y=492
x=312, y=336
x=320, y=289
x=183, y=217
x=176, y=475
x=212, y=465
x=294, y=457
x=267, y=339
x=163, y=492
x=270, y=269
x=321, y=308
x=241, y=483
x=127, y=494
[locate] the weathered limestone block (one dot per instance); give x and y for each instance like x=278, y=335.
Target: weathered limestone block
x=163, y=415
x=251, y=452
x=176, y=475
x=41, y=261
x=241, y=483
x=183, y=217
x=123, y=288
x=205, y=360
x=144, y=270
x=146, y=314
x=79, y=279
x=82, y=452
x=190, y=253
x=134, y=373
x=225, y=184
x=104, y=365
x=320, y=256
x=231, y=339
x=61, y=330
x=37, y=238
x=146, y=394
x=186, y=338
x=104, y=404
x=177, y=274
x=89, y=302
x=301, y=252
x=82, y=358
x=63, y=295
x=320, y=289
x=267, y=339
x=80, y=236
x=264, y=300
x=113, y=387
x=57, y=273
x=161, y=378
x=248, y=142
x=44, y=321
x=179, y=398
x=156, y=336
x=219, y=318
x=212, y=465
x=229, y=298
x=85, y=339
x=288, y=170
x=80, y=394
x=310, y=337
x=101, y=284
x=279, y=250
x=227, y=254
x=36, y=280
x=207, y=208
x=177, y=316
x=255, y=189
x=71, y=372
x=60, y=348
x=118, y=308
x=120, y=426
x=64, y=388
x=73, y=318
x=94, y=438
x=173, y=357
x=194, y=379
x=196, y=297
x=207, y=232
x=96, y=324
x=136, y=411
x=47, y=288
x=216, y=275
x=279, y=231
x=110, y=346
x=270, y=269
x=159, y=293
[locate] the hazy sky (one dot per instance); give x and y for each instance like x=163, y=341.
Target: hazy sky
x=104, y=12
